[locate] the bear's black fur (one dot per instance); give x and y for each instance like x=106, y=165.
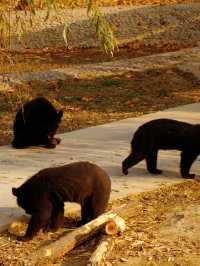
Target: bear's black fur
x=44, y=194
x=36, y=124
x=164, y=134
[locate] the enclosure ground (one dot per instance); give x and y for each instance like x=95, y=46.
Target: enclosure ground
x=162, y=230
x=164, y=227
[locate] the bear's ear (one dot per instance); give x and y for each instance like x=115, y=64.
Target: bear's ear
x=15, y=191
x=60, y=114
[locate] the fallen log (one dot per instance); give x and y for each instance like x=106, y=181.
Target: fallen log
x=53, y=251
x=98, y=256
x=18, y=225
x=66, y=243
x=115, y=226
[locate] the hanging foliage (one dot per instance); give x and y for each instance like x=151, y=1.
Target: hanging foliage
x=103, y=30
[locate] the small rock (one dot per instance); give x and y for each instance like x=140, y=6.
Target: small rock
x=138, y=243
x=107, y=263
x=123, y=259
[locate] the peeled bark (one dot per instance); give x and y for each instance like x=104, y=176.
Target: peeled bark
x=105, y=245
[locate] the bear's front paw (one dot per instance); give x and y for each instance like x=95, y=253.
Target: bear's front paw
x=50, y=146
x=23, y=238
x=125, y=171
x=50, y=229
x=155, y=171
x=189, y=176
x=58, y=140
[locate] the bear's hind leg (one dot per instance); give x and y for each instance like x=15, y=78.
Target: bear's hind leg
x=151, y=161
x=47, y=142
x=131, y=160
x=93, y=207
x=187, y=158
x=86, y=211
x=57, y=218
x=99, y=203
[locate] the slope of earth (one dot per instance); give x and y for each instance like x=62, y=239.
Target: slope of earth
x=85, y=98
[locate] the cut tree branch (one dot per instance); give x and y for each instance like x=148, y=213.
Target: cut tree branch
x=53, y=251
x=66, y=243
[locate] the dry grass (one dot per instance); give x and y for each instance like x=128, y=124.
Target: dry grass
x=163, y=229
x=156, y=214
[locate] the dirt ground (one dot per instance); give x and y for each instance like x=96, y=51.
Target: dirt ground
x=86, y=100
x=162, y=230
x=13, y=4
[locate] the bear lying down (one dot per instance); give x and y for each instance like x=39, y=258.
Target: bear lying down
x=164, y=134
x=43, y=195
x=36, y=123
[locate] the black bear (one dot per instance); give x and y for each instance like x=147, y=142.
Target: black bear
x=164, y=134
x=43, y=195
x=36, y=123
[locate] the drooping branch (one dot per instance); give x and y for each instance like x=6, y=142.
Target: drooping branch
x=103, y=31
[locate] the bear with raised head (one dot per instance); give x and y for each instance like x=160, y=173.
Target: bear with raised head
x=164, y=134
x=43, y=195
x=36, y=123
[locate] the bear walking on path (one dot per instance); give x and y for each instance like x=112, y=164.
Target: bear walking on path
x=43, y=195
x=36, y=123
x=164, y=134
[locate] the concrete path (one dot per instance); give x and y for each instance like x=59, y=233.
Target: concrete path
x=106, y=145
